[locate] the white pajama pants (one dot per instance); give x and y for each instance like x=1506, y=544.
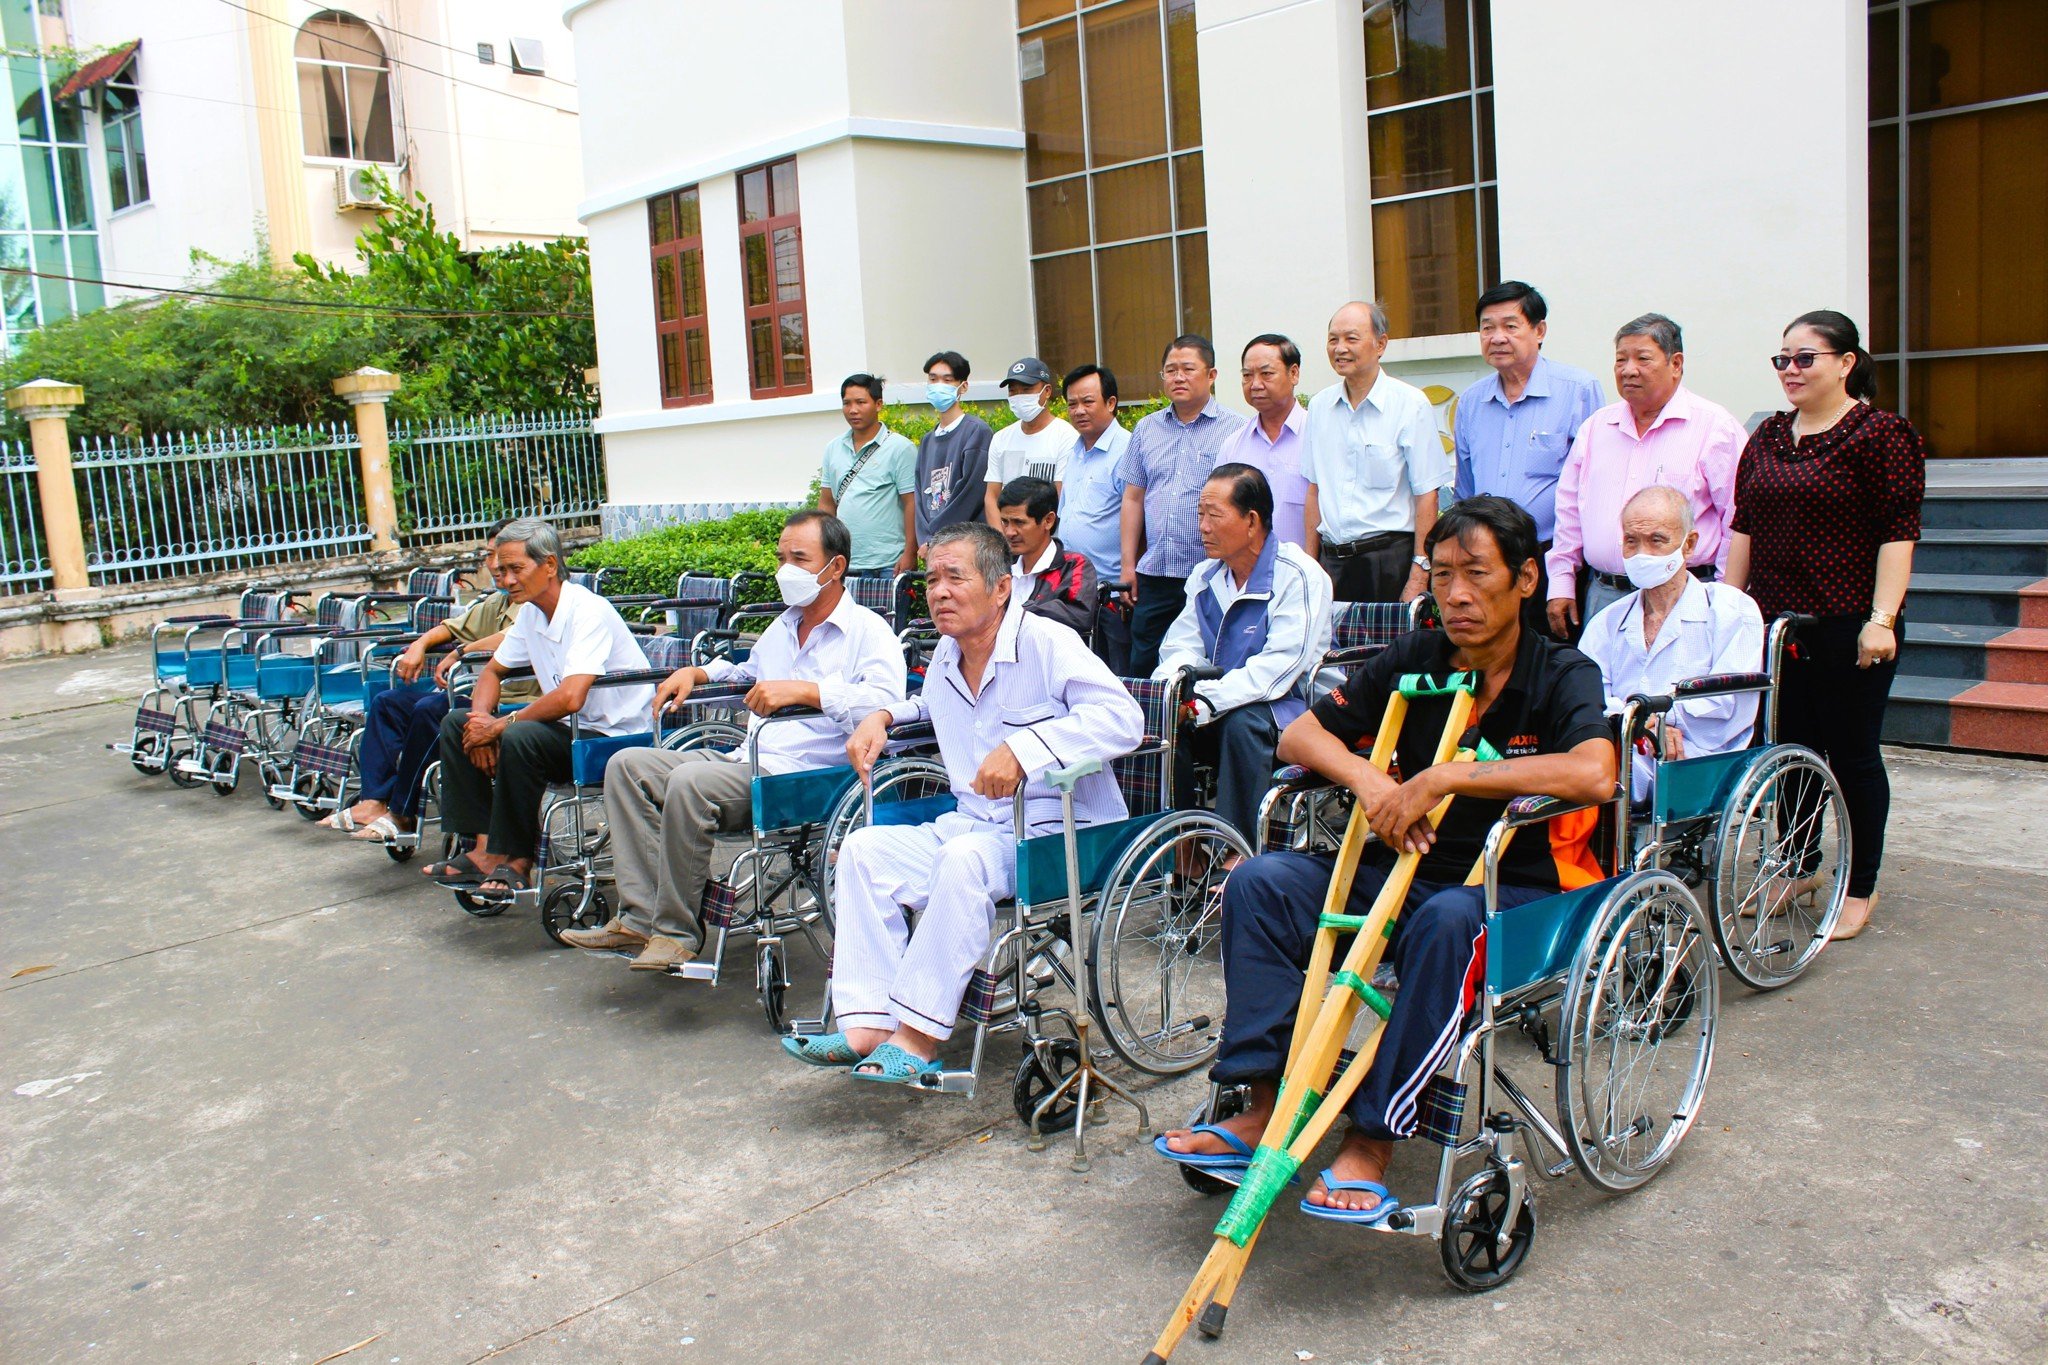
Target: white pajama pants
x=952, y=872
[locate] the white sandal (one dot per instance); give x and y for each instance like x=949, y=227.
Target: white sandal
x=381, y=830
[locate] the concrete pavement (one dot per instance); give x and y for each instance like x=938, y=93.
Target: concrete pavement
x=270, y=1097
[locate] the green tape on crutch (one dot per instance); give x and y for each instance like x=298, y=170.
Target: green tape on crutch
x=1351, y=924
x=1362, y=988
x=1267, y=1175
x=1422, y=685
x=1302, y=1113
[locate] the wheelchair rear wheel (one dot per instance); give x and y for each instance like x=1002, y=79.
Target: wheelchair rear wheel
x=1156, y=957
x=1471, y=1246
x=721, y=736
x=1641, y=1005
x=895, y=779
x=1781, y=868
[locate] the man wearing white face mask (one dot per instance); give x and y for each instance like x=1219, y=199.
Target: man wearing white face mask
x=1037, y=444
x=665, y=809
x=1671, y=628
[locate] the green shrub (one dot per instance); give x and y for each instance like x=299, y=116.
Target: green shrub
x=913, y=420
x=652, y=562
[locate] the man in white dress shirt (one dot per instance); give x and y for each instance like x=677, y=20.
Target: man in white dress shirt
x=1671, y=628
x=665, y=810
x=1010, y=695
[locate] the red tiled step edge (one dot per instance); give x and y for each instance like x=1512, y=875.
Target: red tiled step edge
x=2006, y=717
x=2034, y=606
x=2018, y=656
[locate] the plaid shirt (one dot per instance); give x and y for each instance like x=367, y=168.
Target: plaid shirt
x=1171, y=459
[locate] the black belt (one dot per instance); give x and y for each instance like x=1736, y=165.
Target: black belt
x=1620, y=583
x=1368, y=545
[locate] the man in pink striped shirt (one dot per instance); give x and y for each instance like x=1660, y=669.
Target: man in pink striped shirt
x=1659, y=433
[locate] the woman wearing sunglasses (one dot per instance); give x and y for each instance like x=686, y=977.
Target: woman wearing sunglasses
x=1827, y=508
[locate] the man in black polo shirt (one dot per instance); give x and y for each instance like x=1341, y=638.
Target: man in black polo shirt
x=1541, y=705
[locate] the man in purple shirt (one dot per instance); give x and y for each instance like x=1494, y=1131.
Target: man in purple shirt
x=1271, y=441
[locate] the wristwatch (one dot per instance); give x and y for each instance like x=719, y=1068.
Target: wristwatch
x=1887, y=619
x=1420, y=563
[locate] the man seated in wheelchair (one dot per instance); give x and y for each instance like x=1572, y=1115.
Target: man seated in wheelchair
x=1674, y=627
x=496, y=769
x=1010, y=696
x=402, y=732
x=665, y=809
x=1539, y=704
x=1056, y=583
x=1258, y=609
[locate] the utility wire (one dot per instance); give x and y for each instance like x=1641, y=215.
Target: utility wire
x=458, y=51
x=294, y=305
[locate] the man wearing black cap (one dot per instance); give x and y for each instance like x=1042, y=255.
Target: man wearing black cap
x=1037, y=444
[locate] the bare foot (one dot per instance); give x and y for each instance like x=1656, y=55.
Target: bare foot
x=1247, y=1127
x=922, y=1046
x=1360, y=1158
x=866, y=1040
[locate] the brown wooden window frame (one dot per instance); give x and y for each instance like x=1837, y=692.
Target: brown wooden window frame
x=777, y=311
x=678, y=249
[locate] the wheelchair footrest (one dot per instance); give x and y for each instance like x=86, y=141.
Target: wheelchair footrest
x=282, y=791
x=696, y=971
x=946, y=1083
x=192, y=767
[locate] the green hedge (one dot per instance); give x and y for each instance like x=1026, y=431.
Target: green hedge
x=913, y=420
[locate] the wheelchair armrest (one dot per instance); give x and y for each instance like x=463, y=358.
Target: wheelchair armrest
x=636, y=677
x=1721, y=685
x=206, y=619
x=677, y=603
x=1534, y=810
x=649, y=628
x=1295, y=778
x=378, y=599
x=1356, y=654
x=793, y=713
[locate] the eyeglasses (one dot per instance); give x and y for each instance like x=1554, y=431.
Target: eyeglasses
x=1804, y=360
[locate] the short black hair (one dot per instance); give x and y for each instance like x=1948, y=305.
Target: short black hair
x=1290, y=354
x=1101, y=372
x=1191, y=341
x=1038, y=498
x=1249, y=491
x=1513, y=529
x=871, y=383
x=832, y=532
x=1513, y=291
x=491, y=535
x=952, y=360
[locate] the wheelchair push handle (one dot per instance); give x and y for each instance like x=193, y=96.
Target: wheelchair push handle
x=1195, y=673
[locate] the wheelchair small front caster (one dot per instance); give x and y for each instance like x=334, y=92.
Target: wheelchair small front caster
x=1473, y=1256
x=1032, y=1085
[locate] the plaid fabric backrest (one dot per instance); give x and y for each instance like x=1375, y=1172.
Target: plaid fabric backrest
x=668, y=652
x=261, y=606
x=876, y=592
x=586, y=578
x=430, y=613
x=330, y=609
x=1354, y=625
x=341, y=613
x=700, y=586
x=432, y=582
x=1143, y=776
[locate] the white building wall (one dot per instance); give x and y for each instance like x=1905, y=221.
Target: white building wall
x=1699, y=158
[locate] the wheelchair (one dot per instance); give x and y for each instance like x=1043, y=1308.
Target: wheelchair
x=331, y=686
x=189, y=677
x=892, y=596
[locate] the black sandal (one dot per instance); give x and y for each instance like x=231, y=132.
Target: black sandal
x=456, y=871
x=512, y=881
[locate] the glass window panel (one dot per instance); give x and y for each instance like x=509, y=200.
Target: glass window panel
x=1190, y=204
x=17, y=292
x=117, y=169
x=1186, y=85
x=1415, y=51
x=1884, y=65
x=761, y=351
x=753, y=195
x=71, y=168
x=69, y=121
x=31, y=112
x=1132, y=202
x=666, y=295
x=782, y=187
x=13, y=195
x=1059, y=215
x=796, y=362
x=697, y=356
x=85, y=262
x=661, y=219
x=1486, y=166
x=1031, y=12
x=369, y=106
x=1983, y=407
x=1137, y=310
x=118, y=99
x=1482, y=41
x=1126, y=83
x=138, y=163
x=692, y=263
x=314, y=124
x=1429, y=148
x=754, y=251
x=1887, y=372
x=54, y=290
x=1883, y=334
x=37, y=165
x=1194, y=283
x=671, y=365
x=1064, y=292
x=1426, y=263
x=1979, y=270
x=789, y=266
x=688, y=221
x=1969, y=51
x=1052, y=102
x=1489, y=236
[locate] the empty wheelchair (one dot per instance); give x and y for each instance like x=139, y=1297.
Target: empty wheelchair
x=188, y=676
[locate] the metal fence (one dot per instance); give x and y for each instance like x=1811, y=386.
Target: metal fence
x=24, y=566
x=454, y=478
x=197, y=503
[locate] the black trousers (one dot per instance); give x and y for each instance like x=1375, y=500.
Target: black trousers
x=1376, y=573
x=1239, y=744
x=531, y=754
x=1836, y=709
x=1112, y=637
x=1159, y=601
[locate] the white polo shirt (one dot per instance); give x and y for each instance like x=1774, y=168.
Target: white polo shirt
x=852, y=657
x=1371, y=462
x=586, y=635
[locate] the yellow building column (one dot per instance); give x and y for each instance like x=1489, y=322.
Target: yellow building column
x=46, y=405
x=367, y=391
x=274, y=80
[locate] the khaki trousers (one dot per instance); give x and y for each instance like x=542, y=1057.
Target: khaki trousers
x=665, y=812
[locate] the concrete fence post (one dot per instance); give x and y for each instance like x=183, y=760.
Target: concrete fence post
x=46, y=405
x=367, y=391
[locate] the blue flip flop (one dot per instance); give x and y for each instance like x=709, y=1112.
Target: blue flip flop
x=1371, y=1217
x=897, y=1067
x=1233, y=1161
x=825, y=1049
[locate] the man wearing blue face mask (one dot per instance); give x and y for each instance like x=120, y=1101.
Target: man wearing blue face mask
x=1036, y=445
x=952, y=459
x=1671, y=628
x=665, y=810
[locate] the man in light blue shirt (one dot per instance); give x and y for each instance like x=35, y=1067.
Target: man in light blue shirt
x=1375, y=463
x=868, y=479
x=1092, y=499
x=1515, y=426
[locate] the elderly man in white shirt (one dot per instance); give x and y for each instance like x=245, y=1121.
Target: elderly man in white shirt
x=665, y=810
x=495, y=769
x=1375, y=464
x=1011, y=696
x=1259, y=609
x=1671, y=628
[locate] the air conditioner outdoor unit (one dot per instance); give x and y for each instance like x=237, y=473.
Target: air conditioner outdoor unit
x=355, y=187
